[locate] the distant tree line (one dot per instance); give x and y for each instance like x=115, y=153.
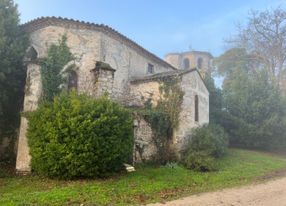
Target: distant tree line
x=251, y=105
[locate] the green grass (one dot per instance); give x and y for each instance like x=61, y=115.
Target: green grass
x=147, y=184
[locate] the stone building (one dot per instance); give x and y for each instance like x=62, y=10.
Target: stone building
x=191, y=59
x=107, y=61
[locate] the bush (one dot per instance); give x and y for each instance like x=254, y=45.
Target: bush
x=77, y=136
x=207, y=143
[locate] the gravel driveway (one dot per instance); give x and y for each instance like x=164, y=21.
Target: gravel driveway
x=272, y=193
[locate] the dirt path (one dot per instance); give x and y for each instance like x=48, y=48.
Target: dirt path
x=272, y=193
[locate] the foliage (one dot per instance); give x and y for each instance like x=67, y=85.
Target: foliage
x=147, y=184
x=253, y=107
x=232, y=60
x=162, y=133
x=171, y=100
x=264, y=40
x=164, y=118
x=215, y=101
x=51, y=68
x=255, y=111
x=207, y=143
x=13, y=44
x=78, y=136
x=262, y=43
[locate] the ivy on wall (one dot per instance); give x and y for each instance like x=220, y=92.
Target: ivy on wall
x=171, y=100
x=51, y=66
x=164, y=118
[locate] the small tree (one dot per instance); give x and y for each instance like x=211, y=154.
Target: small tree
x=13, y=45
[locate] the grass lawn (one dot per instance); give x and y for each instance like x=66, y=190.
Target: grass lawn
x=147, y=184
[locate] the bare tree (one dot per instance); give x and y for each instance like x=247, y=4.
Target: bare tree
x=264, y=39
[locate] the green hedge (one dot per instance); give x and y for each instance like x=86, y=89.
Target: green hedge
x=77, y=136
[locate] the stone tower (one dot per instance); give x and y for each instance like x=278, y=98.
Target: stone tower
x=191, y=59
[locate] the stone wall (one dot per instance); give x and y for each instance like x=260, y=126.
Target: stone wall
x=128, y=64
x=90, y=46
x=33, y=91
x=103, y=76
x=84, y=45
x=144, y=148
x=192, y=85
x=142, y=92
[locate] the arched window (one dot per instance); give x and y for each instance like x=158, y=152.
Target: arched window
x=72, y=80
x=200, y=63
x=186, y=63
x=196, y=108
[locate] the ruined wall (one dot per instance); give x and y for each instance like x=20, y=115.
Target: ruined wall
x=103, y=80
x=144, y=148
x=33, y=90
x=83, y=44
x=141, y=92
x=192, y=85
x=91, y=43
x=88, y=46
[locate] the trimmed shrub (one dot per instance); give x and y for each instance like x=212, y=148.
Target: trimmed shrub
x=77, y=136
x=207, y=143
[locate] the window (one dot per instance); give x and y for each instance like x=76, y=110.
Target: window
x=72, y=80
x=200, y=63
x=150, y=69
x=186, y=63
x=196, y=108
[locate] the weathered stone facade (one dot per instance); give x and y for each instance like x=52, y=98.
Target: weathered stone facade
x=124, y=75
x=191, y=84
x=144, y=148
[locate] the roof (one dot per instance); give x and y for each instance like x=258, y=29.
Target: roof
x=161, y=76
x=102, y=65
x=43, y=22
x=191, y=52
x=165, y=75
